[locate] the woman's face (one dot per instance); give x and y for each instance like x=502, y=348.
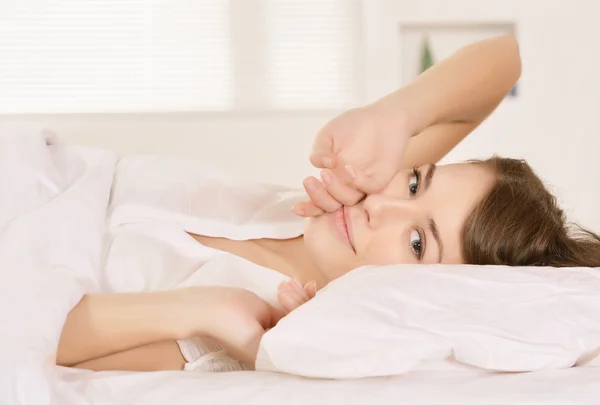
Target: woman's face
x=417, y=218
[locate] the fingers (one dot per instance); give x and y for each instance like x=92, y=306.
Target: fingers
x=322, y=151
x=322, y=160
x=361, y=181
x=320, y=196
x=307, y=209
x=326, y=196
x=311, y=289
x=292, y=294
x=287, y=302
x=343, y=193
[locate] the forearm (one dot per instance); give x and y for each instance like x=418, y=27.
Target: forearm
x=103, y=324
x=151, y=357
x=465, y=87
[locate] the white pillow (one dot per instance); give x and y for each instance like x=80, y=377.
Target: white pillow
x=381, y=321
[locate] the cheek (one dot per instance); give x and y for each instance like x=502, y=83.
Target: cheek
x=387, y=248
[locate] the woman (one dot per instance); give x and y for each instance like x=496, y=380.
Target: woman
x=380, y=200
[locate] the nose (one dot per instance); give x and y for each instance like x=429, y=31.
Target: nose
x=381, y=209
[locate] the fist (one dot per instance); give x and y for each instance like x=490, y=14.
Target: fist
x=292, y=294
x=359, y=151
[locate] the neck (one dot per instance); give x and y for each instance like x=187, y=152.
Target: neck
x=294, y=252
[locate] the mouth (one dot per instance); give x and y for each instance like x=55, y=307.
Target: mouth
x=341, y=225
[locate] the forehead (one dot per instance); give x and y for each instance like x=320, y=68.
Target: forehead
x=454, y=192
x=462, y=176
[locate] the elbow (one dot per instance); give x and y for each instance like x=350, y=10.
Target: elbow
x=512, y=52
x=60, y=360
x=516, y=55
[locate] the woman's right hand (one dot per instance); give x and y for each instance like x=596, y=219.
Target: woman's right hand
x=359, y=151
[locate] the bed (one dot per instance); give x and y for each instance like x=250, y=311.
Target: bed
x=561, y=387
x=60, y=262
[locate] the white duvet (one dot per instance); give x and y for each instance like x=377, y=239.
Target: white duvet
x=52, y=250
x=53, y=208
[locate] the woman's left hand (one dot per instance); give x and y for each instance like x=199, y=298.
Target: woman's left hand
x=239, y=318
x=292, y=294
x=234, y=317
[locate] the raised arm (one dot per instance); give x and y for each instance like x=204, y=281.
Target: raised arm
x=363, y=148
x=446, y=102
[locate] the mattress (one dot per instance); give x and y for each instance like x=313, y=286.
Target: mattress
x=558, y=387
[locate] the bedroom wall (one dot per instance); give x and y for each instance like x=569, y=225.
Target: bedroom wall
x=553, y=122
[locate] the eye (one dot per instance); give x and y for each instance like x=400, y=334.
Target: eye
x=414, y=179
x=416, y=243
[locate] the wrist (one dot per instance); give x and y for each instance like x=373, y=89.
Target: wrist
x=393, y=119
x=409, y=107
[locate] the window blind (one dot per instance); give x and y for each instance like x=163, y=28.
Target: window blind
x=61, y=56
x=313, y=53
x=100, y=56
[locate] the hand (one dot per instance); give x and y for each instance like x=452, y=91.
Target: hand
x=360, y=151
x=234, y=317
x=292, y=294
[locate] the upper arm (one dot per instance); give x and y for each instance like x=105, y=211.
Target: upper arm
x=151, y=357
x=435, y=142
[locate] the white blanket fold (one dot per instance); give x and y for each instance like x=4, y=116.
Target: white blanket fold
x=53, y=216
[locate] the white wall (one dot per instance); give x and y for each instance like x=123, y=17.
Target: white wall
x=269, y=147
x=553, y=123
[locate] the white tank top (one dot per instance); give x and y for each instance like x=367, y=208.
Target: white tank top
x=156, y=201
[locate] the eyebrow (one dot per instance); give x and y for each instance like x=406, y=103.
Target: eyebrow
x=432, y=225
x=429, y=176
x=436, y=235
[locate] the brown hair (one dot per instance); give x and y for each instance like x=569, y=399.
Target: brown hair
x=519, y=223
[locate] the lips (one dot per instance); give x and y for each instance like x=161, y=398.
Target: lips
x=348, y=227
x=342, y=226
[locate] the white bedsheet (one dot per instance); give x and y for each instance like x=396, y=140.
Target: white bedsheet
x=560, y=387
